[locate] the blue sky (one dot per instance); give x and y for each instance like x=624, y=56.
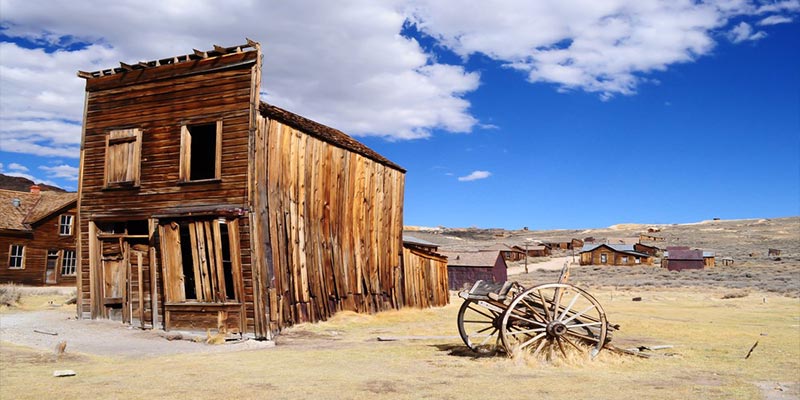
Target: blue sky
x=554, y=115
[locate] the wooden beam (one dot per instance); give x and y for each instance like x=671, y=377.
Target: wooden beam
x=221, y=50
x=126, y=67
x=85, y=75
x=201, y=54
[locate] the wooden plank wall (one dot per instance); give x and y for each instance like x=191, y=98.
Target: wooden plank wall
x=158, y=101
x=424, y=279
x=335, y=221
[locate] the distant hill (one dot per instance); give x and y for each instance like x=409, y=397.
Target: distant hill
x=21, y=184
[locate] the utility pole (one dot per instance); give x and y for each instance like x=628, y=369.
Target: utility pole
x=526, y=255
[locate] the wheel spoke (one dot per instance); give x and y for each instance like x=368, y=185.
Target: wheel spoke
x=586, y=324
x=561, y=347
x=483, y=330
x=539, y=348
x=488, y=337
x=570, y=342
x=569, y=307
x=528, y=331
x=477, y=322
x=528, y=320
x=481, y=312
x=539, y=336
x=578, y=314
x=544, y=306
x=533, y=310
x=583, y=337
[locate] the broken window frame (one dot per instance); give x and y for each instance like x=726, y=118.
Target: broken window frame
x=186, y=151
x=68, y=263
x=208, y=277
x=16, y=259
x=65, y=223
x=123, y=158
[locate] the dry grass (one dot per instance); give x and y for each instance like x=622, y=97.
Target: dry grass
x=341, y=358
x=33, y=298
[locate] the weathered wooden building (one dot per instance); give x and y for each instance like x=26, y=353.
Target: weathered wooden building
x=507, y=252
x=613, y=254
x=424, y=273
x=203, y=207
x=536, y=250
x=37, y=237
x=680, y=258
x=465, y=268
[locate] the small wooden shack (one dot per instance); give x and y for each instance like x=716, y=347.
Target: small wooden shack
x=465, y=268
x=613, y=254
x=507, y=252
x=424, y=273
x=203, y=207
x=537, y=250
x=37, y=237
x=680, y=258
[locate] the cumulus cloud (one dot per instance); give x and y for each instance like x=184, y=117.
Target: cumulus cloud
x=347, y=64
x=62, y=171
x=607, y=47
x=343, y=64
x=474, y=176
x=16, y=167
x=744, y=32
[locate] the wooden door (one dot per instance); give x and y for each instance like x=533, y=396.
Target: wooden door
x=115, y=286
x=50, y=267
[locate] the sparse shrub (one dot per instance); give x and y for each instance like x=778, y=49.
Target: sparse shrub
x=10, y=295
x=736, y=295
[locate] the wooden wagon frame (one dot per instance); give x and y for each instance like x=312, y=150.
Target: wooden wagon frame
x=550, y=317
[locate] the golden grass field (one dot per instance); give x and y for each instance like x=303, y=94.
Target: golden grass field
x=341, y=359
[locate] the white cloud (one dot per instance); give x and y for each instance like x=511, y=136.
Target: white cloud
x=607, y=47
x=343, y=64
x=474, y=176
x=775, y=20
x=17, y=167
x=744, y=32
x=62, y=171
x=346, y=64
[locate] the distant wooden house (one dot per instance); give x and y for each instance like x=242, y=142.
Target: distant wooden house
x=37, y=237
x=622, y=240
x=643, y=248
x=680, y=258
x=727, y=261
x=538, y=250
x=465, y=268
x=650, y=238
x=203, y=207
x=507, y=252
x=613, y=254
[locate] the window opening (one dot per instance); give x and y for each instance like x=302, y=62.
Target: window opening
x=65, y=225
x=68, y=263
x=16, y=256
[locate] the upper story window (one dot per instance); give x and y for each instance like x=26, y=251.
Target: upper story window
x=201, y=151
x=16, y=256
x=123, y=154
x=65, y=222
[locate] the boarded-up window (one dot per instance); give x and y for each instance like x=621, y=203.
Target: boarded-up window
x=201, y=151
x=123, y=153
x=16, y=256
x=201, y=260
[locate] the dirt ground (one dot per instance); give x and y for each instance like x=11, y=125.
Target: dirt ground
x=710, y=318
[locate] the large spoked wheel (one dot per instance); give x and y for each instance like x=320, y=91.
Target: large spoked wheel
x=479, y=326
x=556, y=318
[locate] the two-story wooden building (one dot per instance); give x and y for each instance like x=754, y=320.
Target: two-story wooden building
x=37, y=237
x=203, y=207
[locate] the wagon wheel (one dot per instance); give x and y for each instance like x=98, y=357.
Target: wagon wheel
x=557, y=316
x=479, y=326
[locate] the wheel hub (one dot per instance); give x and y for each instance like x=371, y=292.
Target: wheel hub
x=556, y=328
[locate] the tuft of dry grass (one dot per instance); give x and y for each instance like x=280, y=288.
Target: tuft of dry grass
x=10, y=295
x=736, y=294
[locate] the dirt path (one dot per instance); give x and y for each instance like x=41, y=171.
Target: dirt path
x=553, y=264
x=102, y=337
